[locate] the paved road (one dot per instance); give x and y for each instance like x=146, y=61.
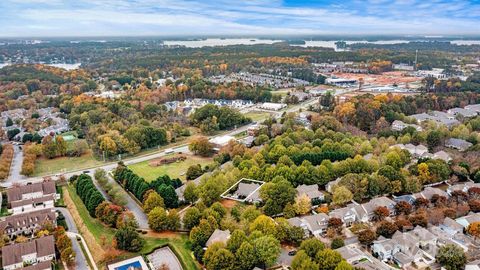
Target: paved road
x=16, y=167
x=181, y=148
x=133, y=206
x=80, y=260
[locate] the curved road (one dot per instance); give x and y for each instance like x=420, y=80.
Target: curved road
x=80, y=260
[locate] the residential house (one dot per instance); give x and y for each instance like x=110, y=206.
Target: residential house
x=398, y=125
x=248, y=191
x=475, y=265
x=459, y=144
x=442, y=155
x=462, y=112
x=27, y=223
x=18, y=255
x=428, y=193
x=406, y=198
x=462, y=187
x=331, y=185
x=218, y=236
x=302, y=96
x=469, y=219
x=312, y=192
x=473, y=107
x=373, y=204
x=407, y=248
x=31, y=197
x=298, y=222
x=316, y=224
x=349, y=214
x=353, y=255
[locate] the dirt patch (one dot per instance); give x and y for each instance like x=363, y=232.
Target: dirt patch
x=386, y=78
x=229, y=204
x=165, y=234
x=167, y=160
x=97, y=251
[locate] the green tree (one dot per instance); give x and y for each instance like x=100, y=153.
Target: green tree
x=127, y=238
x=153, y=200
x=201, y=146
x=191, y=218
x=190, y=193
x=337, y=243
x=434, y=138
x=343, y=265
x=49, y=149
x=221, y=259
x=157, y=219
x=302, y=261
x=61, y=145
x=341, y=195
x=328, y=259
x=312, y=246
x=267, y=249
x=264, y=224
x=452, y=257
x=170, y=198
x=246, y=256
x=236, y=240
x=194, y=171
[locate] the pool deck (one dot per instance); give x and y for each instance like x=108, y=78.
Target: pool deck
x=122, y=264
x=164, y=256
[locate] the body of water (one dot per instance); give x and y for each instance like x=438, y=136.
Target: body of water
x=210, y=42
x=64, y=66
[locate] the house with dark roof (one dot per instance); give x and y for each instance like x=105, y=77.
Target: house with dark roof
x=37, y=251
x=27, y=223
x=31, y=197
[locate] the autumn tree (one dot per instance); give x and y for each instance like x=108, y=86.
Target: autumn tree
x=303, y=204
x=381, y=212
x=366, y=237
x=342, y=195
x=201, y=146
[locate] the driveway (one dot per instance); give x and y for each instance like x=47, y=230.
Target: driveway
x=80, y=260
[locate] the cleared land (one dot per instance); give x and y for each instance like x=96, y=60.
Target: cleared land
x=174, y=170
x=44, y=166
x=257, y=115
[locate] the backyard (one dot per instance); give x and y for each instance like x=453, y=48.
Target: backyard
x=174, y=170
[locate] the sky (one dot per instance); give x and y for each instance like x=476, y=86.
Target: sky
x=32, y=18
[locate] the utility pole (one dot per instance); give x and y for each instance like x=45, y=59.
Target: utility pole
x=416, y=60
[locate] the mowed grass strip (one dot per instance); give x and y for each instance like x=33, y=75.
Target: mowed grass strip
x=174, y=170
x=91, y=229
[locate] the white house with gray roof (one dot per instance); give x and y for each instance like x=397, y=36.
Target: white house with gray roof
x=312, y=192
x=459, y=144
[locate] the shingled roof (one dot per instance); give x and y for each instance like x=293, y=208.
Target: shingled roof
x=16, y=193
x=12, y=254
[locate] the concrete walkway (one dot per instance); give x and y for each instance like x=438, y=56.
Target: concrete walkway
x=74, y=237
x=80, y=260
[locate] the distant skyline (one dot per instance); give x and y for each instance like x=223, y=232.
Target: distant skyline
x=57, y=18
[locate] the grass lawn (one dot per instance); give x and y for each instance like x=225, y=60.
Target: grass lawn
x=174, y=170
x=257, y=115
x=44, y=166
x=93, y=225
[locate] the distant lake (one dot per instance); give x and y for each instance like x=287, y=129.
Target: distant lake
x=210, y=42
x=64, y=66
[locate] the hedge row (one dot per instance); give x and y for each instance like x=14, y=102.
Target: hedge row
x=163, y=185
x=89, y=194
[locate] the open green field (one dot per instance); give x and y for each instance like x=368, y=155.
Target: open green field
x=257, y=115
x=93, y=225
x=174, y=170
x=99, y=231
x=44, y=166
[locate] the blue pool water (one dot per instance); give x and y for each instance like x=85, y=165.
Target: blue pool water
x=131, y=266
